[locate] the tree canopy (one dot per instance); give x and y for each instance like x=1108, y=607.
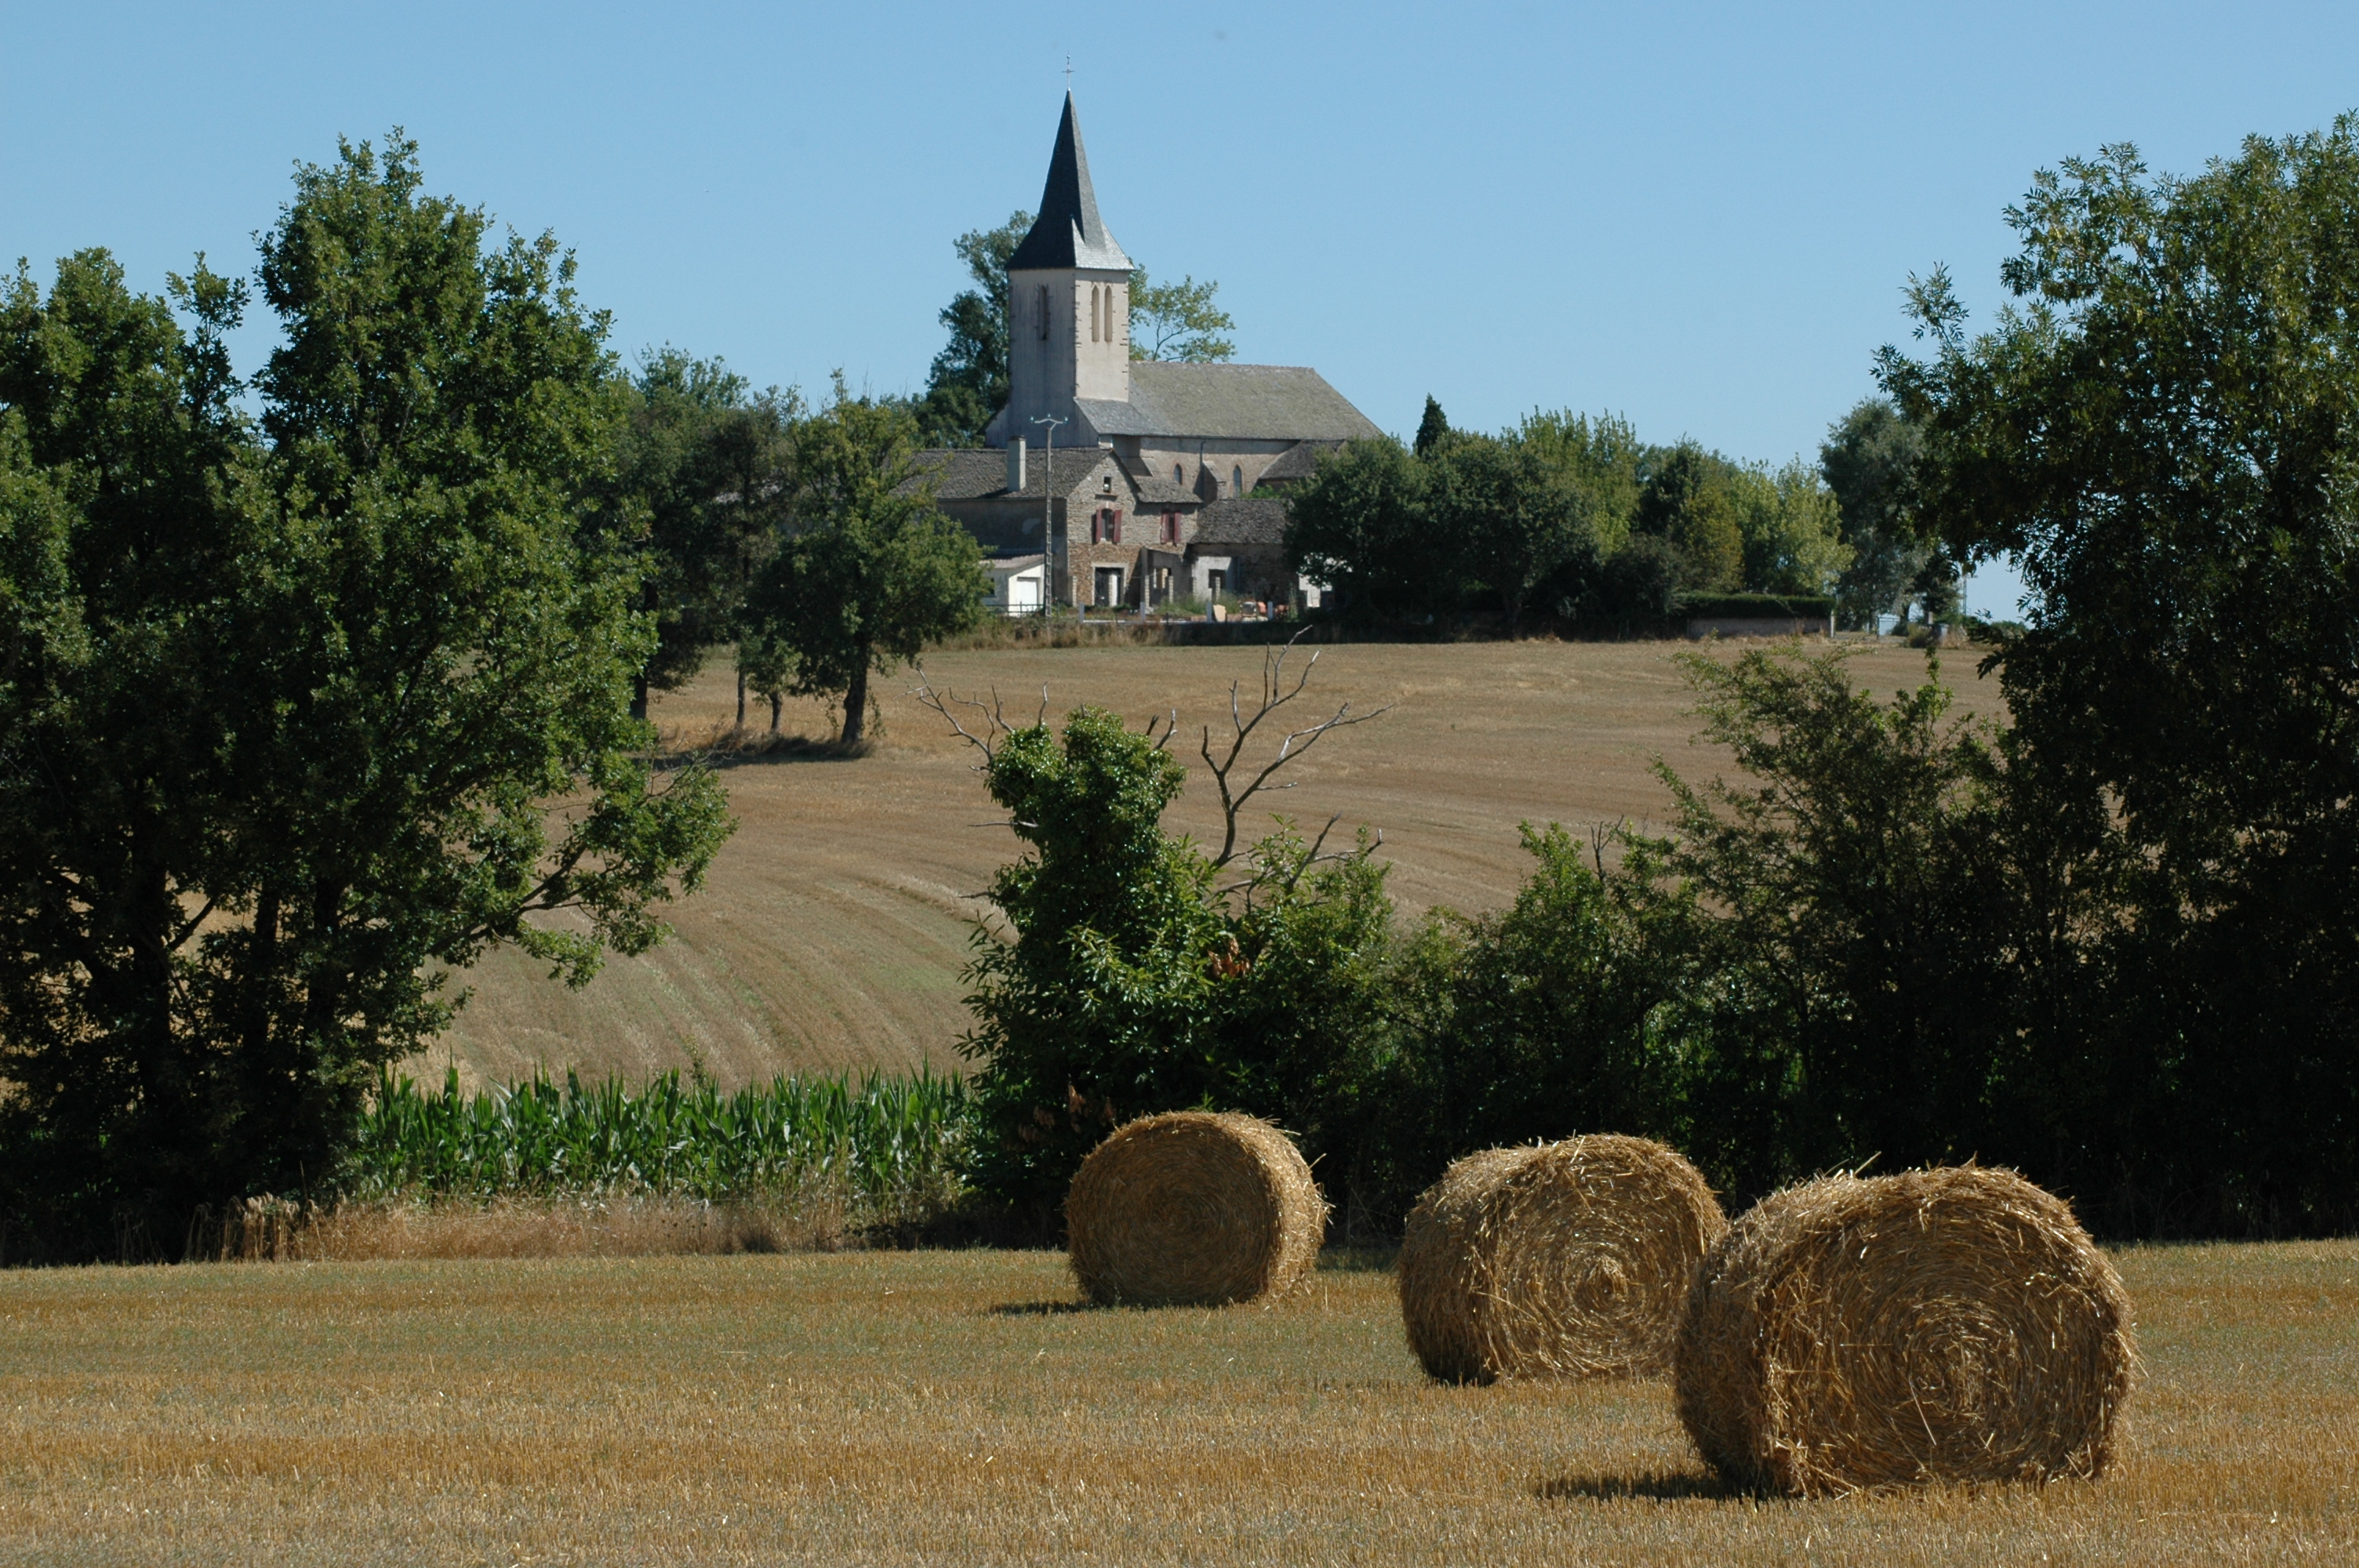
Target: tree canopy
x=303, y=691
x=2164, y=433
x=871, y=570
x=703, y=485
x=967, y=382
x=1179, y=321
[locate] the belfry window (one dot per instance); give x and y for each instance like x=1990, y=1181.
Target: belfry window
x=1044, y=312
x=1094, y=313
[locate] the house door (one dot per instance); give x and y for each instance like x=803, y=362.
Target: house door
x=1216, y=583
x=1109, y=586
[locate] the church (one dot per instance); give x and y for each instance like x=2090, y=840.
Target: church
x=1121, y=482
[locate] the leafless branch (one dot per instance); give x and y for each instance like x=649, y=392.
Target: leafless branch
x=992, y=721
x=1171, y=727
x=1274, y=694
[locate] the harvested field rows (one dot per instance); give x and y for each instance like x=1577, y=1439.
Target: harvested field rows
x=835, y=924
x=953, y=1407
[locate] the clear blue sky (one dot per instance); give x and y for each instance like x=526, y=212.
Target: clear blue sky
x=1697, y=215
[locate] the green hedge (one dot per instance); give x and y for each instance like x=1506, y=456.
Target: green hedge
x=1756, y=606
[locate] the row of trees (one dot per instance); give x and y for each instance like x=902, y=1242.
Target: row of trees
x=806, y=541
x=1566, y=515
x=2114, y=942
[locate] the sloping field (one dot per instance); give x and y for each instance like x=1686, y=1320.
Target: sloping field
x=954, y=1407
x=835, y=923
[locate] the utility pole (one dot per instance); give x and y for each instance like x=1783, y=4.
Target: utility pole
x=1047, y=502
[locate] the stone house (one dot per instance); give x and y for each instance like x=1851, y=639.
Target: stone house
x=1134, y=478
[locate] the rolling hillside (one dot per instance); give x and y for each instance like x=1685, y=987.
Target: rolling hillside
x=835, y=923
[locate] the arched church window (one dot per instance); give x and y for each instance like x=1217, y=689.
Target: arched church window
x=1179, y=474
x=1237, y=480
x=1044, y=312
x=1094, y=313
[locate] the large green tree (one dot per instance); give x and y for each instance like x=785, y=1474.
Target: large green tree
x=1869, y=459
x=294, y=706
x=1792, y=527
x=871, y=571
x=1515, y=518
x=1689, y=501
x=2165, y=433
x=1358, y=524
x=703, y=484
x=967, y=382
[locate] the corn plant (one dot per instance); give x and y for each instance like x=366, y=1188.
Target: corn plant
x=885, y=1140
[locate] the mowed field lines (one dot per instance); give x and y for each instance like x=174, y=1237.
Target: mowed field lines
x=954, y=1407
x=835, y=923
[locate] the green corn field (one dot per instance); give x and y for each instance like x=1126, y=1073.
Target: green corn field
x=882, y=1139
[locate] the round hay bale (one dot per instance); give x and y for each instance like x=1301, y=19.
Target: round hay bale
x=1193, y=1207
x=1944, y=1326
x=1568, y=1259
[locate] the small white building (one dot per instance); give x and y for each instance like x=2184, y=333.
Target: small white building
x=1019, y=585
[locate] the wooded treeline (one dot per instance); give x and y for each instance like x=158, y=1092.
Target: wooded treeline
x=1572, y=518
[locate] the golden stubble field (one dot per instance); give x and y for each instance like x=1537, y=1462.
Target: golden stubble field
x=955, y=1406
x=835, y=923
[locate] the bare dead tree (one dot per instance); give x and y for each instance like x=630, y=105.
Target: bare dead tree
x=991, y=718
x=1274, y=696
x=1236, y=786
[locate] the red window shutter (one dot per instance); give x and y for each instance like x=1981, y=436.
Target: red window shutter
x=1113, y=527
x=1172, y=527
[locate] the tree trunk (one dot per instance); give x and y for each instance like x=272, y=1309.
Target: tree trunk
x=639, y=697
x=741, y=696
x=777, y=709
x=855, y=704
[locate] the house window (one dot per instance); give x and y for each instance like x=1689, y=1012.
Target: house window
x=1172, y=527
x=1113, y=515
x=1044, y=312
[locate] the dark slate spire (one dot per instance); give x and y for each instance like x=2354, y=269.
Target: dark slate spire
x=1069, y=232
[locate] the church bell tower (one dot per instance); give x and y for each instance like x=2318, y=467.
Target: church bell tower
x=1068, y=305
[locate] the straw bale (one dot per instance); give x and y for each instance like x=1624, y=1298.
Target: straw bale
x=1937, y=1326
x=1568, y=1259
x=1193, y=1207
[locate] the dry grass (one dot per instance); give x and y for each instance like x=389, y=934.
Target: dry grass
x=824, y=1218
x=946, y=1407
x=834, y=926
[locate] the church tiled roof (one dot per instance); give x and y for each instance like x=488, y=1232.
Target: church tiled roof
x=1296, y=461
x=1069, y=232
x=1224, y=402
x=1242, y=521
x=974, y=473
